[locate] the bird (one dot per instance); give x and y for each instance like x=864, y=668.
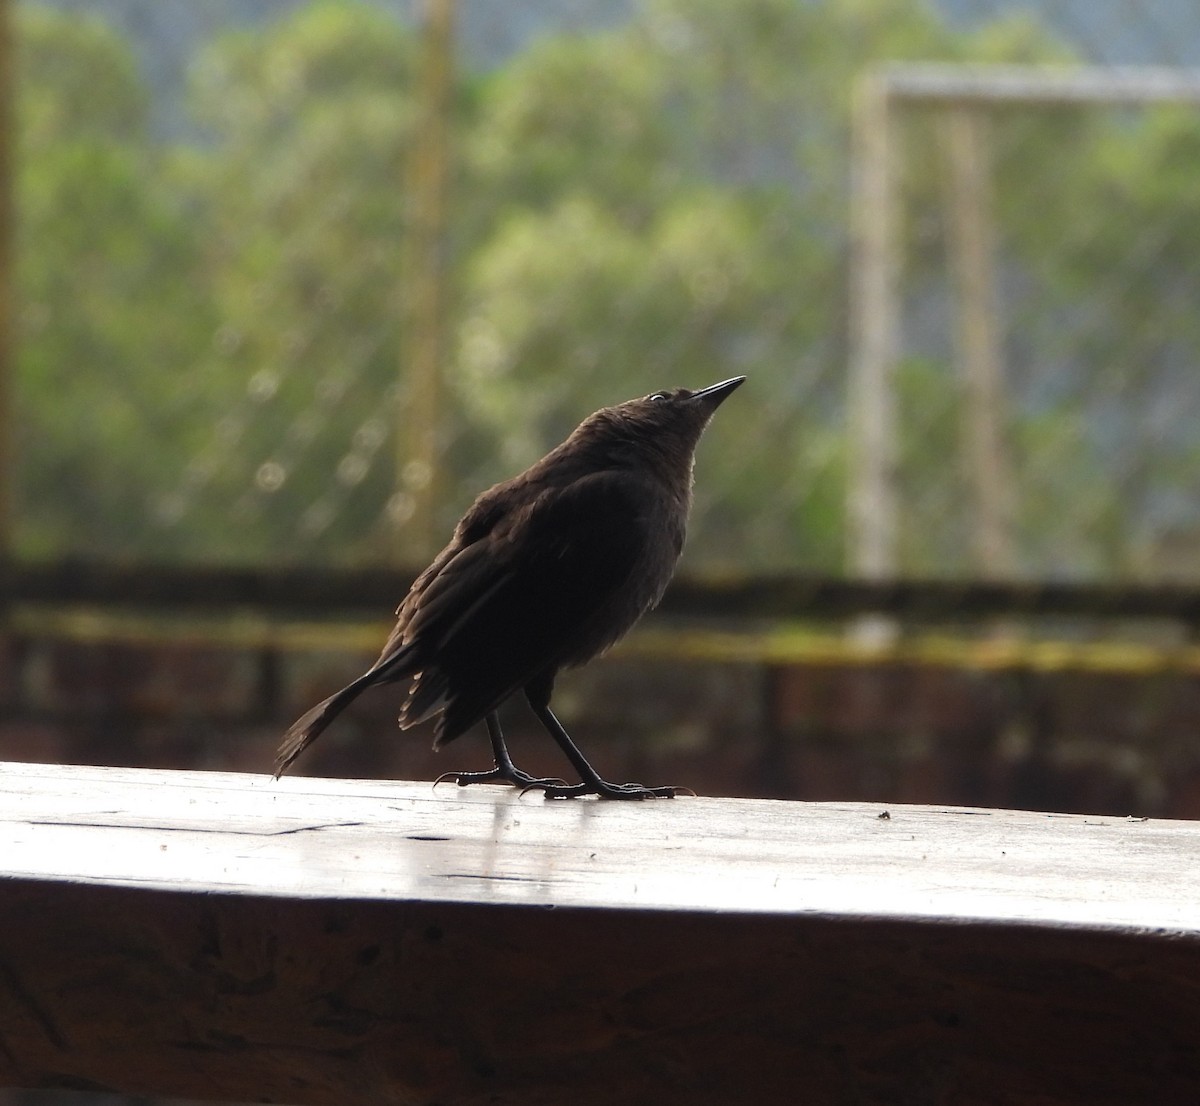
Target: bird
x=545, y=571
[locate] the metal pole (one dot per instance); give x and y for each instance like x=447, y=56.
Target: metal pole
x=419, y=438
x=1040, y=85
x=972, y=246
x=874, y=337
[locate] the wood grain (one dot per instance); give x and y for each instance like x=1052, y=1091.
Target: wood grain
x=322, y=941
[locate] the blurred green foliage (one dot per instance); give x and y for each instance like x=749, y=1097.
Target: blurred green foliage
x=210, y=363
x=113, y=294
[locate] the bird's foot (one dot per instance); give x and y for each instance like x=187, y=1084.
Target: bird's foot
x=604, y=790
x=507, y=774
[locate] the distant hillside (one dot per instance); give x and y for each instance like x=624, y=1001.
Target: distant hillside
x=1108, y=32
x=166, y=33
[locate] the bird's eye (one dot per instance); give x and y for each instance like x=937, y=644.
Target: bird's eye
x=657, y=396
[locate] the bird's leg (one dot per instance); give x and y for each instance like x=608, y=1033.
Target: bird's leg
x=592, y=783
x=504, y=771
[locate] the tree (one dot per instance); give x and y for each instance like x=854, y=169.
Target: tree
x=672, y=210
x=110, y=313
x=301, y=189
x=213, y=330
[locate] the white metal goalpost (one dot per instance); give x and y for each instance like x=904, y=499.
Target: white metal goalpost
x=966, y=94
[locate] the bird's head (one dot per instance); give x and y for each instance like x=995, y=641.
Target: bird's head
x=666, y=424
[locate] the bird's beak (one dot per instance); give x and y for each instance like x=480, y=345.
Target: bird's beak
x=714, y=396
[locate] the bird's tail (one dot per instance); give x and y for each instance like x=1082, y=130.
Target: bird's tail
x=310, y=725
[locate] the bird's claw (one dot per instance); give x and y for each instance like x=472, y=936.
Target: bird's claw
x=512, y=776
x=604, y=790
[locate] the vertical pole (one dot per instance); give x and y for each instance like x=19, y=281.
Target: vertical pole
x=874, y=336
x=418, y=439
x=8, y=341
x=972, y=246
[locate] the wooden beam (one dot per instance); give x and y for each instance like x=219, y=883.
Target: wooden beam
x=8, y=268
x=321, y=590
x=345, y=941
x=420, y=432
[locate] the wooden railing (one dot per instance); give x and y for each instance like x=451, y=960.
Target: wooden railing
x=314, y=590
x=229, y=937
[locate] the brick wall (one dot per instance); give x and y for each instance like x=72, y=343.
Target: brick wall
x=1067, y=740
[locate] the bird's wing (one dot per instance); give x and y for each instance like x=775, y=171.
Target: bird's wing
x=475, y=525
x=521, y=601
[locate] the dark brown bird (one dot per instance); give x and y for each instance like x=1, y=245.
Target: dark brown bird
x=545, y=571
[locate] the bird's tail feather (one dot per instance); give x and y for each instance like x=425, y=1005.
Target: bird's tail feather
x=310, y=725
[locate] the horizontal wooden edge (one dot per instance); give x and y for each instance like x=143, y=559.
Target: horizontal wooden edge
x=306, y=838
x=803, y=646
x=316, y=589
x=347, y=1001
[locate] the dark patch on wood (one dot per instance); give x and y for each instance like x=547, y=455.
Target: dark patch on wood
x=588, y=1006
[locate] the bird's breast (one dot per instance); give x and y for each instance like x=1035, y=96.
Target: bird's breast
x=659, y=528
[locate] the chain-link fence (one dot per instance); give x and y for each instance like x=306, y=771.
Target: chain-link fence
x=292, y=286
x=1027, y=352
x=295, y=280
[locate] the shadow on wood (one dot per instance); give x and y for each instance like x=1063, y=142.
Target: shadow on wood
x=332, y=941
